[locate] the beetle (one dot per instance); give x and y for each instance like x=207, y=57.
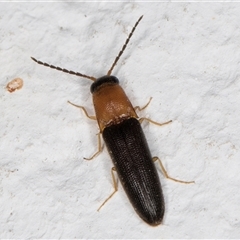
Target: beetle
x=120, y=127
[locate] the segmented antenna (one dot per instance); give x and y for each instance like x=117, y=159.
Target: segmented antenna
x=124, y=46
x=63, y=69
x=86, y=76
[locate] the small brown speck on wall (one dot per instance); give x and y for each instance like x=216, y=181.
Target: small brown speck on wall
x=15, y=84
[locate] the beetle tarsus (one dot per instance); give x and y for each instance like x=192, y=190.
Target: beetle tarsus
x=84, y=110
x=115, y=185
x=166, y=174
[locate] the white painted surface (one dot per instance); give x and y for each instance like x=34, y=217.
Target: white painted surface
x=184, y=55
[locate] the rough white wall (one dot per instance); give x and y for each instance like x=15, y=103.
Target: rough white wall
x=185, y=55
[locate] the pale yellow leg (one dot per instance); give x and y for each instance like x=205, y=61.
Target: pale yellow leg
x=84, y=110
x=141, y=108
x=115, y=188
x=166, y=174
x=151, y=121
x=148, y=119
x=100, y=148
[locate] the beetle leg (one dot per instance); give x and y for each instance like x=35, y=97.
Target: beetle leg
x=148, y=119
x=141, y=108
x=85, y=111
x=166, y=174
x=151, y=121
x=115, y=184
x=100, y=148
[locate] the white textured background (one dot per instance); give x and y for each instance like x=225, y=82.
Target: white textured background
x=185, y=55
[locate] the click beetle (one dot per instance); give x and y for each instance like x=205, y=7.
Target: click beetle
x=126, y=143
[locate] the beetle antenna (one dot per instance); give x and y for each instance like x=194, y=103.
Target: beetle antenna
x=63, y=69
x=124, y=46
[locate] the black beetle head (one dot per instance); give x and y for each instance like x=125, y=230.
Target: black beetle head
x=102, y=81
